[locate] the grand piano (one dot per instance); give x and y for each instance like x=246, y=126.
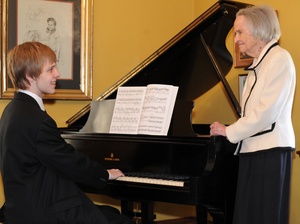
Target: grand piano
x=187, y=166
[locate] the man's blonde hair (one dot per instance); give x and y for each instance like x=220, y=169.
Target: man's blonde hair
x=28, y=58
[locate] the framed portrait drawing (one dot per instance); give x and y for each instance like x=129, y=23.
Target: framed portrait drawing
x=63, y=25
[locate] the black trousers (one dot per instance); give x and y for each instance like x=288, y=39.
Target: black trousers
x=263, y=189
x=103, y=214
x=87, y=213
x=113, y=215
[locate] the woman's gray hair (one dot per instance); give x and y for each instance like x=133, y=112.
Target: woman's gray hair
x=263, y=21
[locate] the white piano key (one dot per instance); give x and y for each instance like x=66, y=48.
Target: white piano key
x=152, y=181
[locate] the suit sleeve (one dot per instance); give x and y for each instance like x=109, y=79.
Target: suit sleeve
x=62, y=159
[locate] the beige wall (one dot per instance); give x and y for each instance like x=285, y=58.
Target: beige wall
x=128, y=31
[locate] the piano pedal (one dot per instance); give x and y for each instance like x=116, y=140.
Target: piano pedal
x=137, y=218
x=137, y=215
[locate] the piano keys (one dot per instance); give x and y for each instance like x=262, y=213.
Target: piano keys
x=154, y=178
x=187, y=166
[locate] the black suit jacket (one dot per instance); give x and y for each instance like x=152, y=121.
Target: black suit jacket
x=39, y=169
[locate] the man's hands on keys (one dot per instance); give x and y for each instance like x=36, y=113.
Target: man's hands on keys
x=115, y=173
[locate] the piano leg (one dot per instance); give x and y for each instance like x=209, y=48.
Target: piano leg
x=201, y=212
x=225, y=216
x=147, y=211
x=218, y=217
x=127, y=208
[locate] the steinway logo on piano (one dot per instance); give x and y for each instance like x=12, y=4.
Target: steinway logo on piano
x=111, y=158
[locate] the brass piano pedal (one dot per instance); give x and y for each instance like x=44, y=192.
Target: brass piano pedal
x=139, y=215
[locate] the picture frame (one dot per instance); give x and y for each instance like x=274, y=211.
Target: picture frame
x=242, y=80
x=241, y=60
x=74, y=20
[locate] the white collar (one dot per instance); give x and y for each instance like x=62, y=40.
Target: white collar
x=34, y=96
x=262, y=53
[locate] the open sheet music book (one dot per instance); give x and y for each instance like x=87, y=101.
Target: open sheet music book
x=143, y=110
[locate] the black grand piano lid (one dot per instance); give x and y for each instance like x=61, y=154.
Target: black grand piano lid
x=196, y=59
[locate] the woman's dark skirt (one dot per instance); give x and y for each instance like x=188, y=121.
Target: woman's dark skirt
x=263, y=188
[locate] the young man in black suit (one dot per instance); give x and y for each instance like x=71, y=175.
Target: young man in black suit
x=39, y=168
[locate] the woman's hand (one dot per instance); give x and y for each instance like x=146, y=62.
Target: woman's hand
x=217, y=129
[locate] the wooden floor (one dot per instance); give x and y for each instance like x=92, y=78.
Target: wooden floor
x=187, y=220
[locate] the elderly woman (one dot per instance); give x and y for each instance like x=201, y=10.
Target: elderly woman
x=264, y=132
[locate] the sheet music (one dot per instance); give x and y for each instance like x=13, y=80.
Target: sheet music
x=143, y=110
x=157, y=109
x=127, y=111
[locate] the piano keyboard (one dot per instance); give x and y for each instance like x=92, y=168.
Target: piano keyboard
x=177, y=181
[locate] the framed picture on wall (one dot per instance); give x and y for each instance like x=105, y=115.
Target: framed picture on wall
x=63, y=25
x=241, y=60
x=242, y=80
